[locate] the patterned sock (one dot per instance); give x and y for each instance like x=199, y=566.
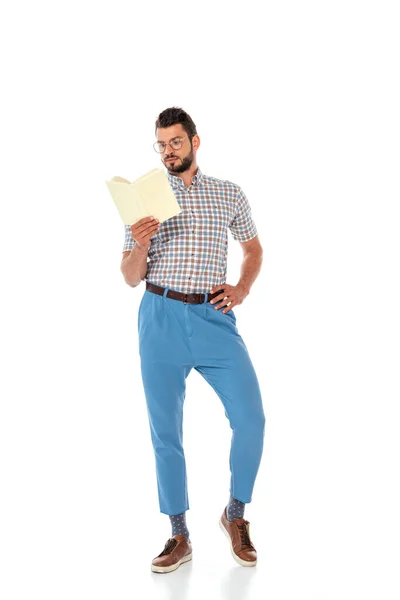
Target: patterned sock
x=235, y=509
x=178, y=523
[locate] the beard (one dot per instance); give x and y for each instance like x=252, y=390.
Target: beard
x=181, y=165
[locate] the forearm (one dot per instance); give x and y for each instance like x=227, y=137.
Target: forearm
x=250, y=269
x=134, y=266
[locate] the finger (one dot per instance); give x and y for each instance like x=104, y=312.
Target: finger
x=149, y=233
x=223, y=287
x=221, y=304
x=223, y=308
x=143, y=224
x=218, y=298
x=146, y=235
x=152, y=228
x=146, y=230
x=229, y=307
x=219, y=288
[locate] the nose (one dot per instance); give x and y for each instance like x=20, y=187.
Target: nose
x=166, y=148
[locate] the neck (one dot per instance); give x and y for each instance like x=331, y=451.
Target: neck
x=187, y=175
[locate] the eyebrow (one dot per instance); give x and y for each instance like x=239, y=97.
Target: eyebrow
x=173, y=138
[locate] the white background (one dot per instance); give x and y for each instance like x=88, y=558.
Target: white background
x=298, y=103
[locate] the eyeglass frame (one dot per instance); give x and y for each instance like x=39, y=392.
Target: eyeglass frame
x=168, y=143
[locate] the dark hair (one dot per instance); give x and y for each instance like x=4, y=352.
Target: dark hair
x=175, y=116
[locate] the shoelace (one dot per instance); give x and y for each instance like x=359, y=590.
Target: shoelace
x=244, y=535
x=169, y=546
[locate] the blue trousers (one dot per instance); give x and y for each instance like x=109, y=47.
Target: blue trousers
x=175, y=337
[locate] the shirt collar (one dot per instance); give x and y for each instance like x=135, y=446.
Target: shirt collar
x=175, y=181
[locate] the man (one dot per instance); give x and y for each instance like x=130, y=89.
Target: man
x=186, y=321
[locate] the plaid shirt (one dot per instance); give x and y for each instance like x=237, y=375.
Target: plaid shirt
x=189, y=252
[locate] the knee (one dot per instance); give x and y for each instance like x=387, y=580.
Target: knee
x=257, y=418
x=260, y=421
x=251, y=422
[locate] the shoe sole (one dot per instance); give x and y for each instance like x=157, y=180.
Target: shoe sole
x=173, y=567
x=244, y=563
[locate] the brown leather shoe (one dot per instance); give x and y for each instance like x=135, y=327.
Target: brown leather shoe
x=177, y=550
x=238, y=532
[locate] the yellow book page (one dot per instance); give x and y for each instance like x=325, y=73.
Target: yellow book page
x=157, y=195
x=150, y=194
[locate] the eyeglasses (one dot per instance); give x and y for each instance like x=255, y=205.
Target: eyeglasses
x=175, y=144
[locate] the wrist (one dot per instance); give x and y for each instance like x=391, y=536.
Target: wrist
x=245, y=288
x=141, y=249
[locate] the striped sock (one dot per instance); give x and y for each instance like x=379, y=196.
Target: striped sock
x=178, y=523
x=235, y=509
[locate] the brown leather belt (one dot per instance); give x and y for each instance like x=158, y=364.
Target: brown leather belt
x=195, y=298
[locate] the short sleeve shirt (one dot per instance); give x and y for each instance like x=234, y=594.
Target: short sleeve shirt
x=189, y=252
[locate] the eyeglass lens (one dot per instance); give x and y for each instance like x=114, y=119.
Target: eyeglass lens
x=175, y=144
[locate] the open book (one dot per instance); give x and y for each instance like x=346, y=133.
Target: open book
x=149, y=195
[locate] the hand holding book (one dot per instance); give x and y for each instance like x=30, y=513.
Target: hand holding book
x=143, y=230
